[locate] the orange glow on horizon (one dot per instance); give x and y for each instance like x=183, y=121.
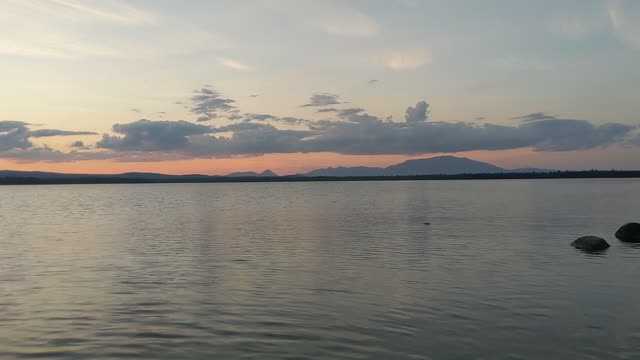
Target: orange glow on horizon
x=285, y=164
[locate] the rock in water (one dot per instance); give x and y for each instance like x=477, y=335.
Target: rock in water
x=629, y=233
x=590, y=243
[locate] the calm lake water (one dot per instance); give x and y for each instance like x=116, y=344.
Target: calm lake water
x=323, y=270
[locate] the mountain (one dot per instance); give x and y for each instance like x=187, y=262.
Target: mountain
x=347, y=171
x=442, y=165
x=266, y=173
x=439, y=165
x=130, y=175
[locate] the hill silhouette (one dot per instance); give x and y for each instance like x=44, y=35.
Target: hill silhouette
x=438, y=165
x=435, y=168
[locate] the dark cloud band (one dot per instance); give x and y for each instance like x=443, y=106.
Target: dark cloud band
x=351, y=131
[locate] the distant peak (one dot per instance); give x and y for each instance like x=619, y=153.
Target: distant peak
x=442, y=157
x=253, y=173
x=268, y=173
x=447, y=157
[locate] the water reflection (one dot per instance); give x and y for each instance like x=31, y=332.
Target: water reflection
x=318, y=270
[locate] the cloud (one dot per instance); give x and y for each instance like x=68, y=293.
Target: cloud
x=106, y=11
x=254, y=95
x=350, y=131
x=624, y=15
x=233, y=64
x=570, y=134
x=256, y=139
x=15, y=135
x=372, y=81
x=364, y=134
x=208, y=117
x=53, y=132
x=74, y=29
x=237, y=127
x=407, y=59
x=342, y=112
x=533, y=117
x=77, y=144
x=50, y=29
x=45, y=44
x=147, y=135
x=248, y=117
x=323, y=99
x=325, y=110
x=181, y=139
x=135, y=110
x=634, y=139
x=293, y=120
x=207, y=101
x=259, y=117
x=349, y=112
x=359, y=133
x=418, y=113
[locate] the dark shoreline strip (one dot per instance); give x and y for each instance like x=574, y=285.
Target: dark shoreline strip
x=116, y=179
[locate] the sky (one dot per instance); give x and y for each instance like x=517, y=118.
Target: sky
x=181, y=87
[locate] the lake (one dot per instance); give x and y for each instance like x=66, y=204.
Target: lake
x=321, y=270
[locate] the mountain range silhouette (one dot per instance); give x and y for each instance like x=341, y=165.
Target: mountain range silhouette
x=439, y=165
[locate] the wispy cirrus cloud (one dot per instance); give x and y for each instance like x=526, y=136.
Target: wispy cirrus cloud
x=73, y=29
x=233, y=64
x=108, y=11
x=624, y=15
x=619, y=17
x=48, y=29
x=105, y=10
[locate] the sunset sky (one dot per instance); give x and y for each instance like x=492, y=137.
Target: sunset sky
x=213, y=87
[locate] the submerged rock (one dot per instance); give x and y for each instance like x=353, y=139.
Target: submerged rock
x=629, y=233
x=590, y=243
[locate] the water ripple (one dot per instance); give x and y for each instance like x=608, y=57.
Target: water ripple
x=318, y=271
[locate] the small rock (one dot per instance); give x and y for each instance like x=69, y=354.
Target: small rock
x=427, y=223
x=590, y=243
x=629, y=233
